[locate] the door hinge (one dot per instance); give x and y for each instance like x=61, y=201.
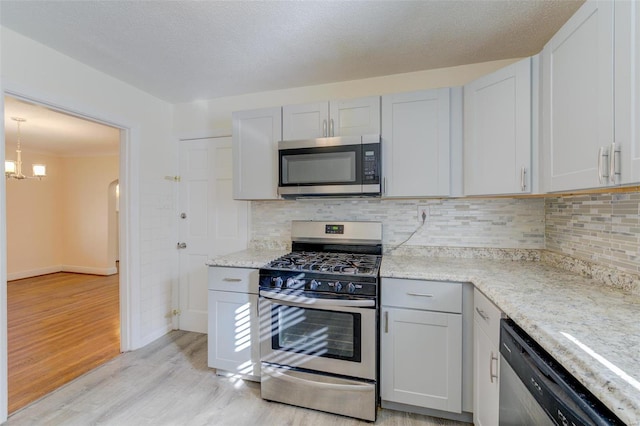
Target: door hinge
x=176, y=312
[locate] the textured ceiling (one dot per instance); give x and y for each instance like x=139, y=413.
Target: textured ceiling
x=182, y=51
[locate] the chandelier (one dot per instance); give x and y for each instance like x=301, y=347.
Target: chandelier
x=13, y=169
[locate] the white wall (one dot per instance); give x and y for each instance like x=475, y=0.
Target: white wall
x=213, y=117
x=32, y=70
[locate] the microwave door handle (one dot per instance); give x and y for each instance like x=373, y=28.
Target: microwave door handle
x=312, y=301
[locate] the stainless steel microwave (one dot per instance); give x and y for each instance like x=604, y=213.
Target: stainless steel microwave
x=336, y=166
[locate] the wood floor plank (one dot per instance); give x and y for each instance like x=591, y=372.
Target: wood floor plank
x=59, y=327
x=168, y=383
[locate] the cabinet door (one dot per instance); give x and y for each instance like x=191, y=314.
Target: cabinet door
x=497, y=132
x=355, y=117
x=627, y=92
x=305, y=121
x=416, y=143
x=486, y=384
x=421, y=358
x=233, y=341
x=578, y=99
x=255, y=153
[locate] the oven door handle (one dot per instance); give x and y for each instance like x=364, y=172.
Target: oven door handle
x=304, y=301
x=318, y=385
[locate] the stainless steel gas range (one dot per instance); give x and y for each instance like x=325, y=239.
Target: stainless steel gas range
x=319, y=319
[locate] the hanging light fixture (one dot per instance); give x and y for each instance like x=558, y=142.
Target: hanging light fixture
x=13, y=169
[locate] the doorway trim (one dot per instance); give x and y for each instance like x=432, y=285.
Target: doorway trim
x=129, y=232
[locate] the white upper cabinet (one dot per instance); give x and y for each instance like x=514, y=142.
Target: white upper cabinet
x=416, y=141
x=351, y=117
x=497, y=132
x=578, y=100
x=627, y=92
x=255, y=153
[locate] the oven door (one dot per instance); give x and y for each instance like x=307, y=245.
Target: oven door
x=326, y=335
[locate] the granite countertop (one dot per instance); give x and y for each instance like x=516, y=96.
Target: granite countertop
x=593, y=330
x=251, y=258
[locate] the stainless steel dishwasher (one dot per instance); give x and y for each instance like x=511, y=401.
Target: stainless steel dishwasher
x=536, y=390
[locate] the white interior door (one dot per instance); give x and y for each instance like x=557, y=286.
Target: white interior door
x=213, y=224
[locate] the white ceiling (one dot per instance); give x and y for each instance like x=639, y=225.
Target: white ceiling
x=52, y=132
x=182, y=51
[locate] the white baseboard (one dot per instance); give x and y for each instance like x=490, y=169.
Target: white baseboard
x=34, y=272
x=89, y=270
x=61, y=268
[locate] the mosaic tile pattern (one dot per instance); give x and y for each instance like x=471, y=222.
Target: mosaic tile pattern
x=486, y=223
x=599, y=228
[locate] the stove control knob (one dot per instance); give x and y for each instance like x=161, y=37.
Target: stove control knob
x=291, y=282
x=314, y=285
x=338, y=286
x=278, y=282
x=351, y=288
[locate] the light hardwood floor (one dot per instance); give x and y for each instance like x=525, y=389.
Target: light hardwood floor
x=59, y=327
x=168, y=383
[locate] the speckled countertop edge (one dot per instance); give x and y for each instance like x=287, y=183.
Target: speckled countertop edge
x=250, y=258
x=569, y=315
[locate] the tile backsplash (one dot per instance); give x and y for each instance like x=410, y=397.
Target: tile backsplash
x=599, y=228
x=491, y=223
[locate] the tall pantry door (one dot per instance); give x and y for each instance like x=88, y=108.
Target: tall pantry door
x=211, y=222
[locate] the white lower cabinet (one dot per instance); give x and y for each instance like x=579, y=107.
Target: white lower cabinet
x=486, y=361
x=421, y=351
x=233, y=338
x=422, y=359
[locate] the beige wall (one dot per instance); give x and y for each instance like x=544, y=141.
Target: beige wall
x=34, y=234
x=213, y=117
x=86, y=213
x=60, y=222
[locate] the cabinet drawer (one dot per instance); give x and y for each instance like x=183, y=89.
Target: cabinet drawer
x=417, y=294
x=240, y=280
x=487, y=316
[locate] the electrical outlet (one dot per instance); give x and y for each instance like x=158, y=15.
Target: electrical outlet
x=423, y=213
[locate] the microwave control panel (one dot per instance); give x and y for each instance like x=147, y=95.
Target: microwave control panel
x=371, y=163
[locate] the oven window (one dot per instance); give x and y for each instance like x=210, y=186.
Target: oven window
x=317, y=332
x=329, y=167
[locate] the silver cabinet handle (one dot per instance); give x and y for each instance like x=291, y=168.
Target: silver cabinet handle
x=482, y=314
x=324, y=128
x=492, y=375
x=332, y=128
x=601, y=154
x=233, y=280
x=384, y=186
x=612, y=163
x=386, y=321
x=420, y=294
x=181, y=245
x=523, y=183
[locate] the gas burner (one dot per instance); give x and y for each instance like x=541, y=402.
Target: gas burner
x=327, y=262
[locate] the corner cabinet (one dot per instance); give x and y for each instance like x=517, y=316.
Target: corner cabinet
x=350, y=117
x=420, y=131
x=486, y=361
x=255, y=153
x=233, y=335
x=497, y=132
x=421, y=345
